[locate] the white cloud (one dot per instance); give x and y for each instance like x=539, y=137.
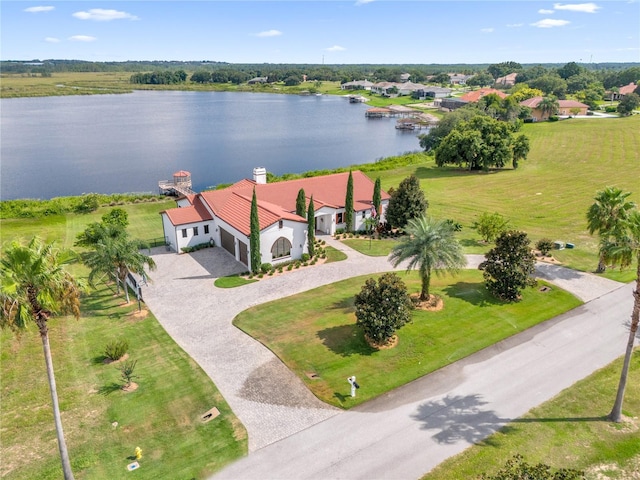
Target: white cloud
x=545, y=12
x=335, y=48
x=486, y=30
x=102, y=15
x=38, y=9
x=269, y=33
x=514, y=25
x=550, y=23
x=52, y=40
x=577, y=7
x=82, y=38
x=363, y=2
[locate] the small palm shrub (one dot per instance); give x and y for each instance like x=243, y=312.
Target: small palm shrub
x=126, y=371
x=266, y=267
x=115, y=350
x=545, y=245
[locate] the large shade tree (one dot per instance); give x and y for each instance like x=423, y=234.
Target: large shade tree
x=430, y=247
x=609, y=210
x=34, y=286
x=624, y=249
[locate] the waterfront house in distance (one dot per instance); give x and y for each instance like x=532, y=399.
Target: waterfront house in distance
x=223, y=216
x=565, y=108
x=256, y=80
x=357, y=85
x=507, y=80
x=475, y=95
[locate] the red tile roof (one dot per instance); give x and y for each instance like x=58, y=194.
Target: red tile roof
x=627, y=89
x=476, y=95
x=196, y=212
x=535, y=101
x=276, y=201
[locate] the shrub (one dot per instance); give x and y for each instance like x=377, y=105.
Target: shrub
x=339, y=231
x=610, y=109
x=509, y=266
x=456, y=226
x=126, y=371
x=545, y=245
x=553, y=118
x=115, y=350
x=265, y=267
x=305, y=257
x=383, y=307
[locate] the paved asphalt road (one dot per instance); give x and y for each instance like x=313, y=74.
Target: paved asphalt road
x=407, y=432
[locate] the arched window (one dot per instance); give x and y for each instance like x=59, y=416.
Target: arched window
x=281, y=248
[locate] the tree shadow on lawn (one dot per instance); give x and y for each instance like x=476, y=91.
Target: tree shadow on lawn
x=459, y=417
x=345, y=340
x=446, y=172
x=474, y=293
x=109, y=389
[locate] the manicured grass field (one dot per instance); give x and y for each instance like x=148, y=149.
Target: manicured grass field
x=144, y=223
x=549, y=194
x=373, y=248
x=162, y=416
x=315, y=332
x=568, y=431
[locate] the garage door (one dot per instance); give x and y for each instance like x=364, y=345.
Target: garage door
x=243, y=253
x=227, y=242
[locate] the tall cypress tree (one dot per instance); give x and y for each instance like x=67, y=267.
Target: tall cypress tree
x=348, y=204
x=300, y=203
x=254, y=237
x=311, y=228
x=377, y=197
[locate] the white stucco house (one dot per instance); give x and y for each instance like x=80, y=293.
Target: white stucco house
x=223, y=216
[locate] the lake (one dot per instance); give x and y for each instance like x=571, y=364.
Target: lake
x=59, y=146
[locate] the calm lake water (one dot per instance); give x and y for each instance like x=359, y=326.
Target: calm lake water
x=57, y=146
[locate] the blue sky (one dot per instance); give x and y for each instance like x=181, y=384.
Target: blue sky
x=299, y=31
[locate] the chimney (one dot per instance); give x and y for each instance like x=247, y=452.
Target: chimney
x=260, y=175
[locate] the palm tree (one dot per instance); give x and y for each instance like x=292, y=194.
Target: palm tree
x=549, y=105
x=33, y=287
x=610, y=208
x=430, y=246
x=117, y=256
x=621, y=250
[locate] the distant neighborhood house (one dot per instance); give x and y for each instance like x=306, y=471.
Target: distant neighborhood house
x=507, y=80
x=223, y=216
x=622, y=91
x=565, y=108
x=257, y=80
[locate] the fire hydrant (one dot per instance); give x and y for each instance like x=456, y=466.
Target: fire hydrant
x=138, y=453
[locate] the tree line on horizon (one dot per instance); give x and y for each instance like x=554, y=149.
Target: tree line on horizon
x=611, y=75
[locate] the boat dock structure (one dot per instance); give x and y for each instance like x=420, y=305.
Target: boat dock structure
x=179, y=186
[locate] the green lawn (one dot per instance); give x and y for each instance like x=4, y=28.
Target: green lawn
x=568, y=431
x=549, y=194
x=315, y=332
x=373, y=248
x=162, y=416
x=144, y=223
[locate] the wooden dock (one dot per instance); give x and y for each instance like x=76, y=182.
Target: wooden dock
x=179, y=186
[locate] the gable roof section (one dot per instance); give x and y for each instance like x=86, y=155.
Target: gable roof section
x=476, y=95
x=196, y=212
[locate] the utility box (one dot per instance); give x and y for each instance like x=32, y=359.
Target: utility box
x=570, y=245
x=558, y=245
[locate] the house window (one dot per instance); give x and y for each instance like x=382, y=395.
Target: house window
x=206, y=229
x=364, y=215
x=195, y=231
x=184, y=233
x=281, y=248
x=280, y=223
x=339, y=217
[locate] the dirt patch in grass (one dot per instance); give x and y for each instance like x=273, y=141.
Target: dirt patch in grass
x=433, y=304
x=108, y=361
x=391, y=343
